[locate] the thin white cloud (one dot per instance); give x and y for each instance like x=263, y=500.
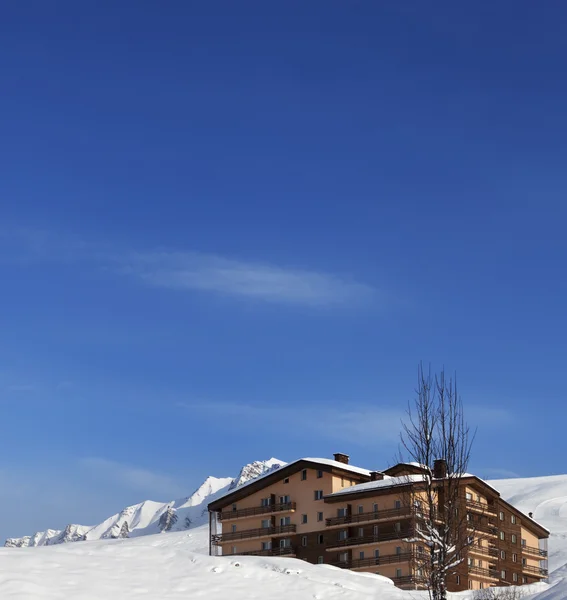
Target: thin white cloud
x=495, y=472
x=155, y=485
x=191, y=271
x=206, y=272
x=364, y=426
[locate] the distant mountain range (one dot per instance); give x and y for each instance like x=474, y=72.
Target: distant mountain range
x=150, y=517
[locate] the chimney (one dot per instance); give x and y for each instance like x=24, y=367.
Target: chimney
x=342, y=458
x=440, y=468
x=531, y=515
x=376, y=476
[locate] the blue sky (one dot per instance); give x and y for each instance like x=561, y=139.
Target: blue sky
x=230, y=231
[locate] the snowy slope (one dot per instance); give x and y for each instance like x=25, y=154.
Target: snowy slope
x=175, y=567
x=546, y=498
x=150, y=517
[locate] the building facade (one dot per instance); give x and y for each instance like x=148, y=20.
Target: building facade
x=328, y=511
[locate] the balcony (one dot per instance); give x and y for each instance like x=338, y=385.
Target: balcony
x=483, y=550
x=409, y=580
x=388, y=559
x=487, y=528
x=480, y=572
x=371, y=539
x=534, y=551
x=381, y=515
x=485, y=509
x=249, y=534
x=229, y=515
x=287, y=551
x=537, y=571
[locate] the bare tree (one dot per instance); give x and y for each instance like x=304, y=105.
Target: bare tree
x=436, y=436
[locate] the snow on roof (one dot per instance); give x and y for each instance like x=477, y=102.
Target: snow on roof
x=338, y=465
x=276, y=467
x=380, y=484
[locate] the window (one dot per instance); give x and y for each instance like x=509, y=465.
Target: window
x=514, y=538
x=471, y=562
x=320, y=538
x=523, y=542
x=502, y=574
x=524, y=580
x=480, y=563
x=398, y=549
x=318, y=494
x=319, y=516
x=285, y=521
x=458, y=580
x=361, y=555
x=265, y=502
x=502, y=535
x=420, y=549
x=501, y=516
x=304, y=540
x=515, y=577
x=341, y=512
x=360, y=509
x=375, y=530
x=502, y=555
x=469, y=496
x=481, y=585
x=285, y=543
x=266, y=523
x=397, y=527
x=343, y=534
x=234, y=507
x=286, y=480
x=470, y=584
x=233, y=549
x=342, y=482
x=361, y=532
x=514, y=557
x=375, y=507
x=304, y=475
x=285, y=499
x=343, y=557
x=376, y=553
x=267, y=545
x=398, y=572
x=319, y=474
x=398, y=504
x=233, y=528
x=513, y=519
x=303, y=519
x=524, y=562
x=478, y=498
x=320, y=560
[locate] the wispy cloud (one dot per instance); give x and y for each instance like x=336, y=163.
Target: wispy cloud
x=205, y=272
x=155, y=485
x=493, y=472
x=363, y=426
x=193, y=271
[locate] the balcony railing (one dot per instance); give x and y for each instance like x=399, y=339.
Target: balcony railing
x=252, y=533
x=388, y=559
x=485, y=508
x=535, y=570
x=257, y=510
x=390, y=513
x=371, y=539
x=483, y=550
x=535, y=551
x=483, y=527
x=490, y=573
x=286, y=551
x=407, y=580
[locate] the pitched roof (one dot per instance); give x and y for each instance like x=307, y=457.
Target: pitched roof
x=381, y=484
x=270, y=477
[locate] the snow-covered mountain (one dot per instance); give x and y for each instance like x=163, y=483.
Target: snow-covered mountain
x=150, y=517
